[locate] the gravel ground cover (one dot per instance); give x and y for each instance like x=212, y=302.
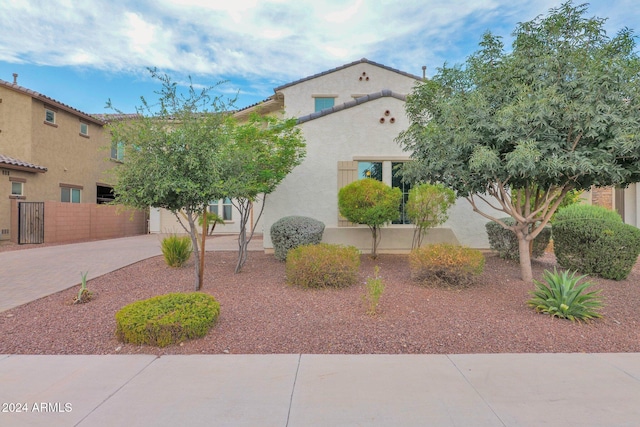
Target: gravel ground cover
x=261, y=314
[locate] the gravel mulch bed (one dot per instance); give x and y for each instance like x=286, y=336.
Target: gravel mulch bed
x=261, y=314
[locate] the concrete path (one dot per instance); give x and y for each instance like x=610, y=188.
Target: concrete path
x=321, y=390
x=29, y=274
x=290, y=390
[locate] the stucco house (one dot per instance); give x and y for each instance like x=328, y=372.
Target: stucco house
x=350, y=117
x=52, y=152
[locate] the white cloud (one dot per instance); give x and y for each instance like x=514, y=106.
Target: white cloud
x=279, y=40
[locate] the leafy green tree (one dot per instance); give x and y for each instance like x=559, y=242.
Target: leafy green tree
x=260, y=154
x=371, y=202
x=427, y=207
x=559, y=112
x=173, y=156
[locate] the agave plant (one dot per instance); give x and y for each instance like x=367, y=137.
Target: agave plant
x=560, y=295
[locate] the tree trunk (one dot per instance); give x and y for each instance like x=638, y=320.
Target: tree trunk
x=193, y=232
x=525, y=259
x=374, y=252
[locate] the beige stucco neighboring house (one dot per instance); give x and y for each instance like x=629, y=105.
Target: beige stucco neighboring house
x=49, y=152
x=350, y=117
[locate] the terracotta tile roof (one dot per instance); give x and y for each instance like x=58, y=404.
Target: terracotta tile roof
x=50, y=101
x=106, y=118
x=333, y=70
x=350, y=104
x=12, y=163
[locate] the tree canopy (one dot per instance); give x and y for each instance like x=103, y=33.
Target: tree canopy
x=172, y=155
x=259, y=155
x=559, y=111
x=371, y=202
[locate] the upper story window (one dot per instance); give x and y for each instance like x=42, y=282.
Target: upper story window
x=84, y=129
x=117, y=151
x=49, y=116
x=324, y=102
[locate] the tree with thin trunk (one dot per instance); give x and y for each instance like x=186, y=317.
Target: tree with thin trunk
x=560, y=111
x=370, y=202
x=172, y=156
x=260, y=154
x=428, y=206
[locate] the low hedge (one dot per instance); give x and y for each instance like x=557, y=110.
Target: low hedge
x=323, y=265
x=594, y=240
x=167, y=319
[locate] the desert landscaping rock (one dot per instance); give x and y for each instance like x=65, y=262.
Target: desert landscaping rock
x=260, y=314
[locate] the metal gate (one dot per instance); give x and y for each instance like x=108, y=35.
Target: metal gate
x=30, y=222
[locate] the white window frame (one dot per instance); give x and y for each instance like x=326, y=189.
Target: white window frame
x=223, y=206
x=71, y=191
x=323, y=97
x=17, y=183
x=48, y=111
x=86, y=129
x=118, y=149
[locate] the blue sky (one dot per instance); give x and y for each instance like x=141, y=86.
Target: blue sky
x=84, y=53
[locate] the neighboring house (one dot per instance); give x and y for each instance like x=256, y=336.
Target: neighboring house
x=350, y=117
x=625, y=201
x=49, y=152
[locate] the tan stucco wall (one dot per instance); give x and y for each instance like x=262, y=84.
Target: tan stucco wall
x=164, y=221
x=69, y=157
x=356, y=134
x=632, y=204
x=346, y=84
x=15, y=124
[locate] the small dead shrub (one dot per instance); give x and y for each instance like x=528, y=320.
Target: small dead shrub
x=323, y=265
x=444, y=264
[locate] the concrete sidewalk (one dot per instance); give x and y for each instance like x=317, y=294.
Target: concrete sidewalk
x=290, y=390
x=29, y=274
x=321, y=390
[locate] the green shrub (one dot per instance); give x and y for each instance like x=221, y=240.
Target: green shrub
x=374, y=289
x=505, y=242
x=293, y=231
x=594, y=240
x=427, y=207
x=559, y=297
x=84, y=295
x=176, y=250
x=581, y=211
x=167, y=319
x=370, y=202
x=323, y=265
x=444, y=264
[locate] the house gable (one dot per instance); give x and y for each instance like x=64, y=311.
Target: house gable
x=341, y=85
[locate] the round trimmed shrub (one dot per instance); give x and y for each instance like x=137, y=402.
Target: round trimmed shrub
x=167, y=319
x=594, y=240
x=445, y=264
x=505, y=242
x=293, y=231
x=323, y=265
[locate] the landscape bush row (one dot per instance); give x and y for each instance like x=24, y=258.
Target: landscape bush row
x=586, y=238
